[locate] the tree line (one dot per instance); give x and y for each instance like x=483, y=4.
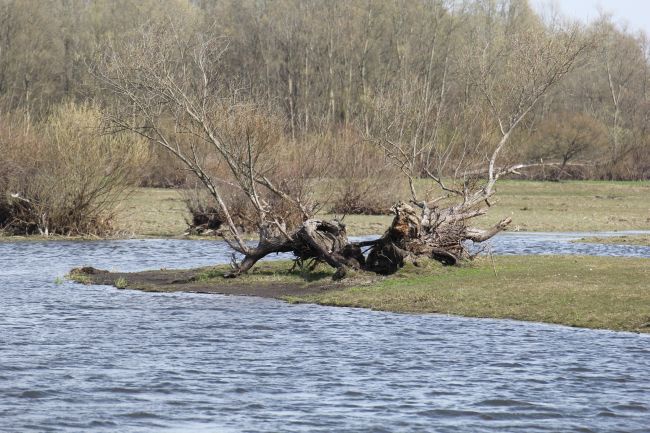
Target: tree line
x=325, y=64
x=260, y=98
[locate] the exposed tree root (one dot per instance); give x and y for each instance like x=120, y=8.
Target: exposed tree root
x=413, y=234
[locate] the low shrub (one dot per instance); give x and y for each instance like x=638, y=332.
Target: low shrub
x=365, y=183
x=293, y=167
x=363, y=196
x=62, y=176
x=207, y=216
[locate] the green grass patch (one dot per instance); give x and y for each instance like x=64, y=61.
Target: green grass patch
x=590, y=292
x=79, y=278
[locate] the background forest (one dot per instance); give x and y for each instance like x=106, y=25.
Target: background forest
x=336, y=72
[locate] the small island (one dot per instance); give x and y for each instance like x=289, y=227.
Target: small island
x=567, y=290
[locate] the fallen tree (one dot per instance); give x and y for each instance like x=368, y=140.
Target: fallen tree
x=170, y=90
x=412, y=235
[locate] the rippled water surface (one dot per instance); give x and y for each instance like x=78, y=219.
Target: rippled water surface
x=93, y=358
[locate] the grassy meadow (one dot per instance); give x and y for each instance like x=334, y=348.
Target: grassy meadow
x=573, y=205
x=533, y=206
x=154, y=212
x=576, y=291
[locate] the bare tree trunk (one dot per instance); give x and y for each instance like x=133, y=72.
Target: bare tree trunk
x=292, y=116
x=315, y=239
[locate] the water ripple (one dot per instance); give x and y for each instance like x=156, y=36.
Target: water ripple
x=90, y=358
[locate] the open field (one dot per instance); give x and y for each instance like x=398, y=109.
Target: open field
x=153, y=212
x=570, y=290
x=573, y=206
x=533, y=206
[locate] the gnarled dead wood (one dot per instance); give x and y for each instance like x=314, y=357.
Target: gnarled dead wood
x=414, y=233
x=433, y=233
x=324, y=241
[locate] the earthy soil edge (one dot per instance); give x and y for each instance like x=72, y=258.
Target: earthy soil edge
x=191, y=281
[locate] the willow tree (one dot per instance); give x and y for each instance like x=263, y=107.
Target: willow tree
x=461, y=144
x=171, y=89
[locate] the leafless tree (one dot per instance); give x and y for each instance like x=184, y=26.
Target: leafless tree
x=504, y=75
x=172, y=93
x=172, y=90
x=568, y=137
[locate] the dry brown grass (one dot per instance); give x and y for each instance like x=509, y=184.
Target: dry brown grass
x=533, y=206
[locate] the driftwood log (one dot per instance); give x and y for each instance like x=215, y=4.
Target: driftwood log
x=415, y=232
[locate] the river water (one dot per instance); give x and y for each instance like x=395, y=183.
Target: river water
x=94, y=358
